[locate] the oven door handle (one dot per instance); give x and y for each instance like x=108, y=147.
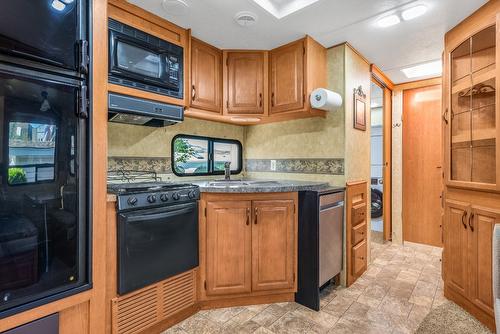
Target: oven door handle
x=161, y=215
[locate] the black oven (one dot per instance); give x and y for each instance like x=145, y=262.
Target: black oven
x=143, y=61
x=157, y=232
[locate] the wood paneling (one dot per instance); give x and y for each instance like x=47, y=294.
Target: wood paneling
x=287, y=78
x=229, y=248
x=422, y=166
x=244, y=83
x=74, y=320
x=206, y=77
x=273, y=245
x=356, y=230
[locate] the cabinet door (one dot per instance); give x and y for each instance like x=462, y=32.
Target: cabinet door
x=456, y=245
x=481, y=223
x=228, y=247
x=206, y=77
x=287, y=78
x=273, y=245
x=245, y=82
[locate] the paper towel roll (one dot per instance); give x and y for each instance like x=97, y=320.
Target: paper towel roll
x=325, y=99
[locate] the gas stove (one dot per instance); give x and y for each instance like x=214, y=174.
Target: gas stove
x=144, y=195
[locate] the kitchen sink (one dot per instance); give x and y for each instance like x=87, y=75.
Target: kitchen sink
x=240, y=183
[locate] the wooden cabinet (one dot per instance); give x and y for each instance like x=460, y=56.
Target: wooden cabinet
x=247, y=245
x=456, y=244
x=468, y=252
x=472, y=114
x=229, y=247
x=206, y=77
x=287, y=78
x=356, y=230
x=244, y=82
x=471, y=160
x=273, y=241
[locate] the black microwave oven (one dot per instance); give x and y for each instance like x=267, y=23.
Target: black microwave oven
x=143, y=61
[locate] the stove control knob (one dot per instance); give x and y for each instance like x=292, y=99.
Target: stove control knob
x=176, y=196
x=132, y=201
x=151, y=198
x=164, y=197
x=192, y=194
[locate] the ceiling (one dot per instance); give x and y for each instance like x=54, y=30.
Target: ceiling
x=330, y=22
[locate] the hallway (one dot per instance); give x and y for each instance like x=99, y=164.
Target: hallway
x=398, y=290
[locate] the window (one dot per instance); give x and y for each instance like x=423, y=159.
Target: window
x=193, y=155
x=32, y=148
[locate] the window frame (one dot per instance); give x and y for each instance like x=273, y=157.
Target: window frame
x=23, y=119
x=211, y=162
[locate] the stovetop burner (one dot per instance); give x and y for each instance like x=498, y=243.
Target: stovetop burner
x=140, y=187
x=145, y=195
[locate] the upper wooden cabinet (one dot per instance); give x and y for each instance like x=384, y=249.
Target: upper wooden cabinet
x=471, y=113
x=206, y=77
x=257, y=86
x=287, y=78
x=245, y=82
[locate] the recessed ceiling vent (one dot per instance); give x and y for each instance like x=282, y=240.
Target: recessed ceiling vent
x=245, y=19
x=175, y=7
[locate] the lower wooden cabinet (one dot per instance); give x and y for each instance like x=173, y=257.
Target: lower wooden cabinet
x=248, y=244
x=229, y=238
x=468, y=256
x=273, y=245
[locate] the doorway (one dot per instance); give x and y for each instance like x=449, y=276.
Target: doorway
x=381, y=121
x=422, y=165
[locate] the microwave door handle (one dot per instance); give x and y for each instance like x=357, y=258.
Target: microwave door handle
x=157, y=216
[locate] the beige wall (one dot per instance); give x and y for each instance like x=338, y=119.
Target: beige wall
x=304, y=138
x=126, y=140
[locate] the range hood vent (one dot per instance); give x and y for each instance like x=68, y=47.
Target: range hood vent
x=132, y=110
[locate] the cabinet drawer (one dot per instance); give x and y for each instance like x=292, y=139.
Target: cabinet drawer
x=327, y=200
x=358, y=213
x=358, y=233
x=359, y=259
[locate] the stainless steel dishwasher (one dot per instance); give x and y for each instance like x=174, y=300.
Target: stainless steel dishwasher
x=320, y=242
x=331, y=218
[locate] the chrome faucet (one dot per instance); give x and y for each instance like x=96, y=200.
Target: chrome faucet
x=227, y=171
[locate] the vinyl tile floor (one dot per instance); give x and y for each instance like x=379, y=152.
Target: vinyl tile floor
x=399, y=288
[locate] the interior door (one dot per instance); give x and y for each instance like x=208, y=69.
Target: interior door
x=229, y=249
x=456, y=245
x=273, y=242
x=287, y=78
x=481, y=223
x=422, y=165
x=206, y=76
x=245, y=84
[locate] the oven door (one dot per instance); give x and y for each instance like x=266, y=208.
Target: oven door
x=46, y=31
x=155, y=244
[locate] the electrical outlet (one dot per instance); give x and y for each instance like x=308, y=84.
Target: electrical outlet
x=273, y=165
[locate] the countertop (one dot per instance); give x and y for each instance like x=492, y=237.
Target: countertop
x=262, y=186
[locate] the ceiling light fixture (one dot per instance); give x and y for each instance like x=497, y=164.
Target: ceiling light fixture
x=58, y=5
x=175, y=7
x=388, y=21
x=413, y=12
x=282, y=8
x=423, y=70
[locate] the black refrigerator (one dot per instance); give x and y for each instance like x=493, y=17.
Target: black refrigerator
x=44, y=151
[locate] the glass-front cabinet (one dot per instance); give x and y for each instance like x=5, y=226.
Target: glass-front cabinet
x=472, y=119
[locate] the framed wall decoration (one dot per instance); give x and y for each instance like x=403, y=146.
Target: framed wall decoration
x=359, y=109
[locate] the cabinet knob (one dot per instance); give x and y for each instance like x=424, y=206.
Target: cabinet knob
x=193, y=93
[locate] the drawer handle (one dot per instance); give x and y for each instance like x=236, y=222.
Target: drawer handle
x=255, y=214
x=362, y=233
x=193, y=93
x=248, y=216
x=471, y=217
x=464, y=216
x=272, y=99
x=260, y=100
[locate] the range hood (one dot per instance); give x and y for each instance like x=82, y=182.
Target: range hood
x=132, y=110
